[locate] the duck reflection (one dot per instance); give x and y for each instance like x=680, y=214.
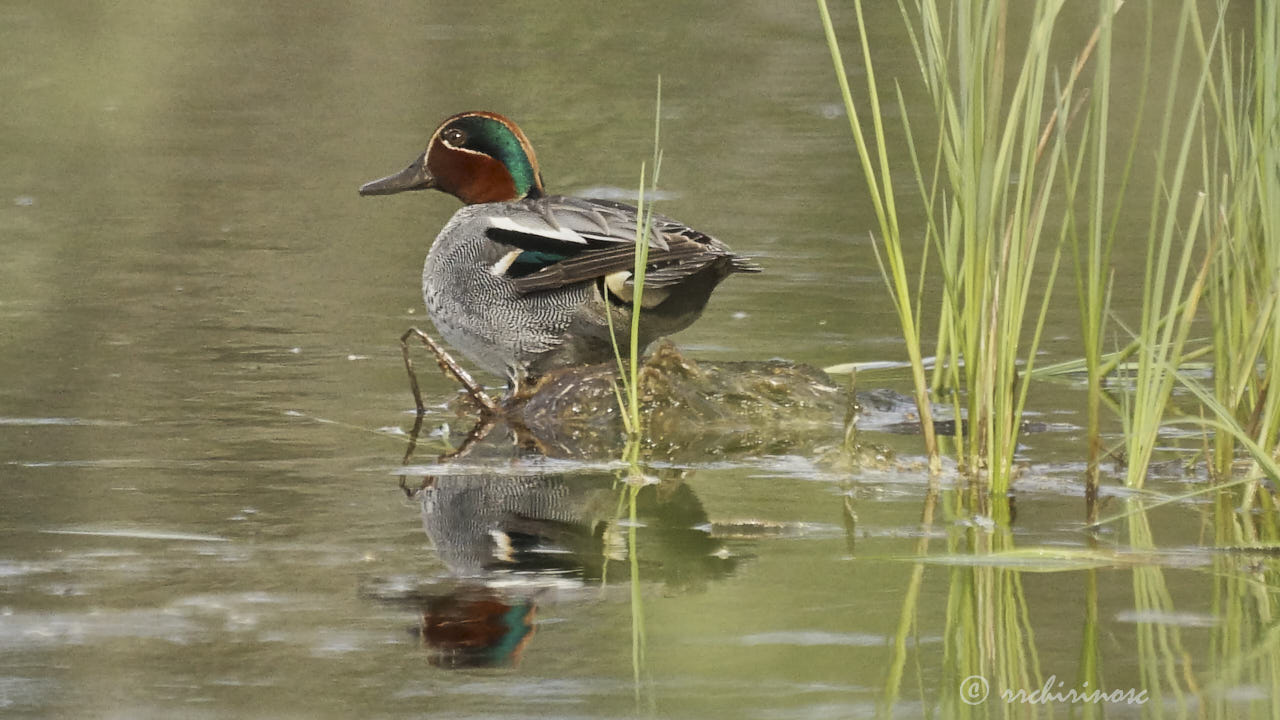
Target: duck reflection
x=510, y=542
x=568, y=526
x=472, y=626
x=524, y=524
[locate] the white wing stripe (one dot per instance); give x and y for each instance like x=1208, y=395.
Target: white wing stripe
x=562, y=233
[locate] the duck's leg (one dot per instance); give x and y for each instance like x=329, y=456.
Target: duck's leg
x=449, y=366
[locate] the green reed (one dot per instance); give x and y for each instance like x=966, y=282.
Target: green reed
x=1234, y=122
x=985, y=203
x=1242, y=177
x=880, y=183
x=1172, y=284
x=1091, y=176
x=633, y=475
x=1209, y=236
x=997, y=168
x=629, y=395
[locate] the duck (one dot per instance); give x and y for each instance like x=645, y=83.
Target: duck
x=523, y=282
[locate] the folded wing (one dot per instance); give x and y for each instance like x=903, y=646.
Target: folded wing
x=558, y=241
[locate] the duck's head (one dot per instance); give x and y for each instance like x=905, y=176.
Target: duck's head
x=477, y=157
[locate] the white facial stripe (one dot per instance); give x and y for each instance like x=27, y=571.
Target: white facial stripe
x=459, y=148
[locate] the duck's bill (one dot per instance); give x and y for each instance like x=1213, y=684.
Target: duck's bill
x=414, y=177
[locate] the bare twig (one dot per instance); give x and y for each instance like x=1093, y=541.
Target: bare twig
x=450, y=367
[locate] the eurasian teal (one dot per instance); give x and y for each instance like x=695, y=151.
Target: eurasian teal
x=520, y=281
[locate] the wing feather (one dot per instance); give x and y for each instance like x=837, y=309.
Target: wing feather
x=576, y=240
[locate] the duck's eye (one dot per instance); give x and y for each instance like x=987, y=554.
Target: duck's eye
x=454, y=137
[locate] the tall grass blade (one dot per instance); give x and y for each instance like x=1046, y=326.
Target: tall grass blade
x=880, y=182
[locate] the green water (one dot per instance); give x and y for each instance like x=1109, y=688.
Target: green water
x=202, y=411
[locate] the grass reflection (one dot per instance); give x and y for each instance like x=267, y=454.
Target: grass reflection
x=988, y=623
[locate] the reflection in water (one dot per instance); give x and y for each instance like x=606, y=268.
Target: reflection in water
x=530, y=524
x=567, y=526
x=473, y=626
x=506, y=540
